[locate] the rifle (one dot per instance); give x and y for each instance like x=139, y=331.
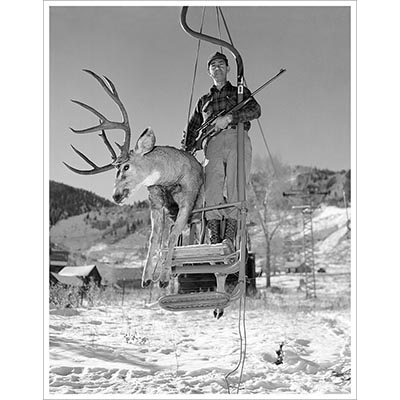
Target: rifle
x=203, y=132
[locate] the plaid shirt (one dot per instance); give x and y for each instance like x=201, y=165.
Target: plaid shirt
x=217, y=100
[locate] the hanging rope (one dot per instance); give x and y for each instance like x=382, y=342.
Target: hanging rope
x=242, y=307
x=242, y=304
x=195, y=66
x=243, y=342
x=244, y=346
x=258, y=121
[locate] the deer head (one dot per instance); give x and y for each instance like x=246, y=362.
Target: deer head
x=133, y=170
x=138, y=170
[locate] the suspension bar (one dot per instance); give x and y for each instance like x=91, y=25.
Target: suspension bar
x=211, y=39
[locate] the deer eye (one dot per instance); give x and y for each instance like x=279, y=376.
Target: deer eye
x=126, y=167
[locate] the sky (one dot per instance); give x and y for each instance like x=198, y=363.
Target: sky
x=306, y=113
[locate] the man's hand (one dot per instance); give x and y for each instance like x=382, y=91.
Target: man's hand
x=222, y=122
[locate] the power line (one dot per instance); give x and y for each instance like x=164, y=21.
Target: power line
x=258, y=121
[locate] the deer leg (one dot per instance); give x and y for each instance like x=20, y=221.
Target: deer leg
x=157, y=227
x=181, y=220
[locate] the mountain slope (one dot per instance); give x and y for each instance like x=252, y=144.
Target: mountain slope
x=336, y=184
x=67, y=201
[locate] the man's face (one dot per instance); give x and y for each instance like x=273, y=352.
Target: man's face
x=218, y=70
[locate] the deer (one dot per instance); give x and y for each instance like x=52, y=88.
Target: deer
x=173, y=177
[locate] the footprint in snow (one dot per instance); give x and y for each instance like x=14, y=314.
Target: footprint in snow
x=303, y=342
x=64, y=371
x=166, y=351
x=269, y=356
x=95, y=322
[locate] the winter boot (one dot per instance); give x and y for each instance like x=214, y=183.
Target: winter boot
x=214, y=227
x=230, y=234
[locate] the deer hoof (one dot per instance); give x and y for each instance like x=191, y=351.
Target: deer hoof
x=163, y=285
x=218, y=313
x=146, y=283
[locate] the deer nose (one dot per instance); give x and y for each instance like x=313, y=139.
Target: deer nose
x=117, y=197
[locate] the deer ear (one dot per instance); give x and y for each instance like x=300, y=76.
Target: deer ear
x=146, y=142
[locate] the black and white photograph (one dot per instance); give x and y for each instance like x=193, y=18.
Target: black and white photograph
x=199, y=164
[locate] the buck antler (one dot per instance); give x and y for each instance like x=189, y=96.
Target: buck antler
x=102, y=126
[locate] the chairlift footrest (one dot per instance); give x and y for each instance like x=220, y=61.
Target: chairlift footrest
x=194, y=301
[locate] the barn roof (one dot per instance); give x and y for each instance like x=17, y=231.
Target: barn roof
x=74, y=275
x=84, y=270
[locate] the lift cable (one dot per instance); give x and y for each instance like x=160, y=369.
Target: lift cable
x=219, y=25
x=258, y=120
x=195, y=67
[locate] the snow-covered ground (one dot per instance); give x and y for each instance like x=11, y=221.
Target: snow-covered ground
x=145, y=350
x=139, y=349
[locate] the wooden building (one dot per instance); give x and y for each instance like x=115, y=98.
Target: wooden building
x=79, y=276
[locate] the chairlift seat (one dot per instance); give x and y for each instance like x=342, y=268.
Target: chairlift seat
x=203, y=254
x=214, y=259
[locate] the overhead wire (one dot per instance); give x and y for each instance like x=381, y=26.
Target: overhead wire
x=219, y=26
x=195, y=66
x=258, y=121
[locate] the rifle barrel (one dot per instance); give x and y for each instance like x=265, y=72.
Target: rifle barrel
x=268, y=82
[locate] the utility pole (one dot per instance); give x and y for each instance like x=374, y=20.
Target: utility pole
x=307, y=206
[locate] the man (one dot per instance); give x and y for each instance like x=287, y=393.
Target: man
x=221, y=149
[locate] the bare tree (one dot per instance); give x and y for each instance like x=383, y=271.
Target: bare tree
x=269, y=180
